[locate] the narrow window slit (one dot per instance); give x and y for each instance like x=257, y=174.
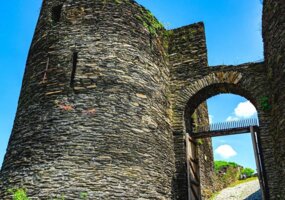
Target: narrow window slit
x=150, y=41
x=45, y=72
x=74, y=66
x=56, y=13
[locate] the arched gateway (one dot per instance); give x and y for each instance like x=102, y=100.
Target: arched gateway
x=221, y=79
x=107, y=96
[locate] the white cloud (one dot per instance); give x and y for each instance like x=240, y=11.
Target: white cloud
x=231, y=118
x=242, y=111
x=245, y=110
x=225, y=151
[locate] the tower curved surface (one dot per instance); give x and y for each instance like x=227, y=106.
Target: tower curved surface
x=92, y=110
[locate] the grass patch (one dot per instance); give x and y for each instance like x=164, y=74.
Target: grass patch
x=214, y=195
x=243, y=181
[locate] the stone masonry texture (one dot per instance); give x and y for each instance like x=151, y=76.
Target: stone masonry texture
x=205, y=152
x=108, y=95
x=274, y=46
x=108, y=135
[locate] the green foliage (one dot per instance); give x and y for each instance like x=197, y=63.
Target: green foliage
x=248, y=172
x=264, y=103
x=199, y=141
x=118, y=1
x=83, y=195
x=61, y=197
x=165, y=38
x=219, y=164
x=150, y=22
x=222, y=181
x=18, y=194
x=231, y=176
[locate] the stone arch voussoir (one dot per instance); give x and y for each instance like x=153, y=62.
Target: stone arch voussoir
x=221, y=77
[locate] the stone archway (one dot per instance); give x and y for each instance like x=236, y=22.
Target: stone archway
x=211, y=85
x=217, y=82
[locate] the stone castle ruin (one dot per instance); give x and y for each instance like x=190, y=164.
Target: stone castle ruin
x=108, y=95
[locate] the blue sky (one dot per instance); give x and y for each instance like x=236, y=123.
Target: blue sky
x=235, y=148
x=233, y=34
x=18, y=18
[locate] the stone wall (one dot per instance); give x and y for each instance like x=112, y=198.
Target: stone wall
x=105, y=102
x=193, y=82
x=196, y=84
x=187, y=57
x=205, y=153
x=274, y=51
x=248, y=80
x=92, y=115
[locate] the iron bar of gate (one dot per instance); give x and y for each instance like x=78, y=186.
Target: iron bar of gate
x=226, y=125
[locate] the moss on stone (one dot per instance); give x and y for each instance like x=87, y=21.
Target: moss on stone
x=264, y=103
x=150, y=22
x=118, y=1
x=199, y=141
x=167, y=34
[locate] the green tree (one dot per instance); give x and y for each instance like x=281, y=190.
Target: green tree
x=220, y=164
x=248, y=172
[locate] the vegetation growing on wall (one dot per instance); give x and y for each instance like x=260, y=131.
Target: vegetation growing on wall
x=20, y=194
x=150, y=22
x=247, y=171
x=228, y=173
x=264, y=103
x=221, y=164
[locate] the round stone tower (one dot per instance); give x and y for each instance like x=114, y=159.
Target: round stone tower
x=92, y=116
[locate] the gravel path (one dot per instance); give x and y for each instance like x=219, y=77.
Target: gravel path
x=245, y=191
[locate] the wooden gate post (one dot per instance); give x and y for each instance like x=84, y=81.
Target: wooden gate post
x=258, y=160
x=193, y=176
